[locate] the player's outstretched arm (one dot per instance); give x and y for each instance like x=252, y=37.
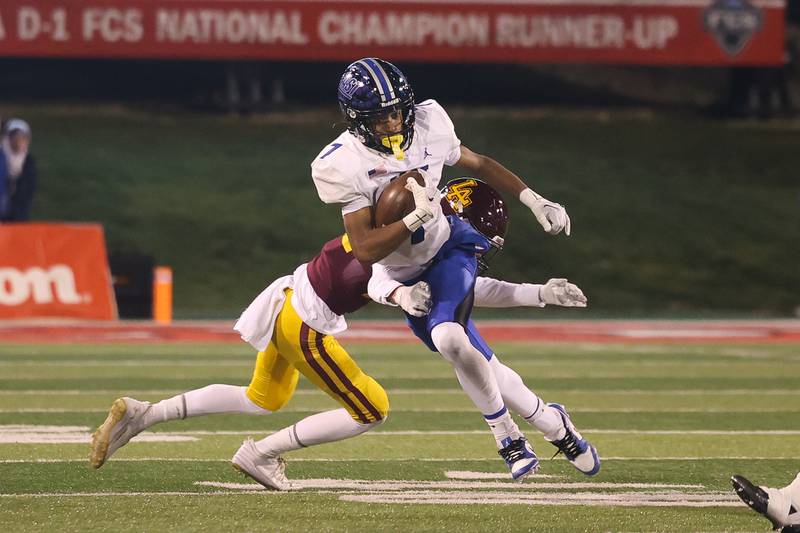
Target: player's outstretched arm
x=490, y=292
x=552, y=216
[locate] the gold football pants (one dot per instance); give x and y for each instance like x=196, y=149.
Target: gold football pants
x=296, y=348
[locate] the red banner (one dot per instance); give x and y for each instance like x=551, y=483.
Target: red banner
x=55, y=270
x=676, y=32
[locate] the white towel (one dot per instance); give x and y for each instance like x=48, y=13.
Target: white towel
x=258, y=320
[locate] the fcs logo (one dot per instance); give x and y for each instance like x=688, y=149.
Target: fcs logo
x=57, y=282
x=732, y=23
x=459, y=195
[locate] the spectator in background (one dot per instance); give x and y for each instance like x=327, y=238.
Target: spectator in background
x=17, y=172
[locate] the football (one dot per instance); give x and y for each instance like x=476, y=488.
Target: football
x=396, y=201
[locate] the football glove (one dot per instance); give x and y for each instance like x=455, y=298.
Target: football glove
x=415, y=300
x=558, y=291
x=552, y=216
x=425, y=206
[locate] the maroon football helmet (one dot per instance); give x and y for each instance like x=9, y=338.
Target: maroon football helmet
x=476, y=202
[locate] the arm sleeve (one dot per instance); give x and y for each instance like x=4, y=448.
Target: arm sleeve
x=381, y=285
x=490, y=292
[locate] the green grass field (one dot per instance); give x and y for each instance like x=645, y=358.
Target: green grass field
x=675, y=420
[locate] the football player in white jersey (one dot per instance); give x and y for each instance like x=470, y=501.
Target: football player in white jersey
x=389, y=134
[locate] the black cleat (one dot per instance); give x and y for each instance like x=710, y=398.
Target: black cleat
x=756, y=498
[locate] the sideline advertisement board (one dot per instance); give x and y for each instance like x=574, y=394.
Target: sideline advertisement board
x=55, y=270
x=667, y=32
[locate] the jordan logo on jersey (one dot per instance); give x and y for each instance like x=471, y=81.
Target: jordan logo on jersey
x=427, y=153
x=459, y=195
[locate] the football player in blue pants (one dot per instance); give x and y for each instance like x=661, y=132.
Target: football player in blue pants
x=389, y=134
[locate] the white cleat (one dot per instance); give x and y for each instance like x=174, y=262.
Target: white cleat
x=124, y=421
x=578, y=451
x=268, y=471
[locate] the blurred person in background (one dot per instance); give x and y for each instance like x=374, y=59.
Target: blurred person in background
x=17, y=172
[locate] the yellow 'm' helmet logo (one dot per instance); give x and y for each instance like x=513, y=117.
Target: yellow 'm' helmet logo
x=459, y=194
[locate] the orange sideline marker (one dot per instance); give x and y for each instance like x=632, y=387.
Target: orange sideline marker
x=162, y=294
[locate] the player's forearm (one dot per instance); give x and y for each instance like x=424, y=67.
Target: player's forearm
x=490, y=292
x=493, y=173
x=372, y=245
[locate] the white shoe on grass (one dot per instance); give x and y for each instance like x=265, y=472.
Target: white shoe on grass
x=124, y=421
x=268, y=471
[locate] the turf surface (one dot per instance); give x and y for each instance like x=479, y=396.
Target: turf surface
x=679, y=418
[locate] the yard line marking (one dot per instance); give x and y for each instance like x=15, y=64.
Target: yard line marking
x=456, y=409
x=390, y=460
x=314, y=392
x=127, y=363
x=410, y=432
x=24, y=434
x=399, y=484
x=465, y=474
x=95, y=494
x=627, y=499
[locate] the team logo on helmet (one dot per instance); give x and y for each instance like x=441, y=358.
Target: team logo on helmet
x=459, y=194
x=732, y=23
x=349, y=86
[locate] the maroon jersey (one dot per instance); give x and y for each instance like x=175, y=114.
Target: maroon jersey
x=338, y=278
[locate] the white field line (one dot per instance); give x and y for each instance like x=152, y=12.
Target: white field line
x=627, y=499
x=23, y=434
x=34, y=429
x=126, y=494
x=392, y=460
x=461, y=492
x=402, y=485
x=467, y=475
x=128, y=363
x=312, y=392
x=455, y=409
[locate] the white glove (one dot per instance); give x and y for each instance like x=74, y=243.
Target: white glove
x=558, y=291
x=425, y=206
x=552, y=216
x=415, y=300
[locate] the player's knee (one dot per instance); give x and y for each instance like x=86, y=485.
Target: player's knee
x=269, y=403
x=380, y=402
x=452, y=342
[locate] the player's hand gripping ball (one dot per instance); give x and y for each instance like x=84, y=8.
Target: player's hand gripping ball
x=396, y=201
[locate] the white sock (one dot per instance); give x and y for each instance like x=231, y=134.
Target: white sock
x=213, y=399
x=329, y=426
x=525, y=403
x=476, y=377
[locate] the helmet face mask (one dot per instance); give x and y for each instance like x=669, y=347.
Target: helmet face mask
x=479, y=204
x=371, y=89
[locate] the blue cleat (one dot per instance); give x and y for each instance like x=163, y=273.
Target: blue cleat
x=520, y=457
x=575, y=448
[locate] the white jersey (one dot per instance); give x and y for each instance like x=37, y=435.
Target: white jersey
x=348, y=173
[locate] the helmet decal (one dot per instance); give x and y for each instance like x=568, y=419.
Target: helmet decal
x=349, y=86
x=381, y=80
x=459, y=194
